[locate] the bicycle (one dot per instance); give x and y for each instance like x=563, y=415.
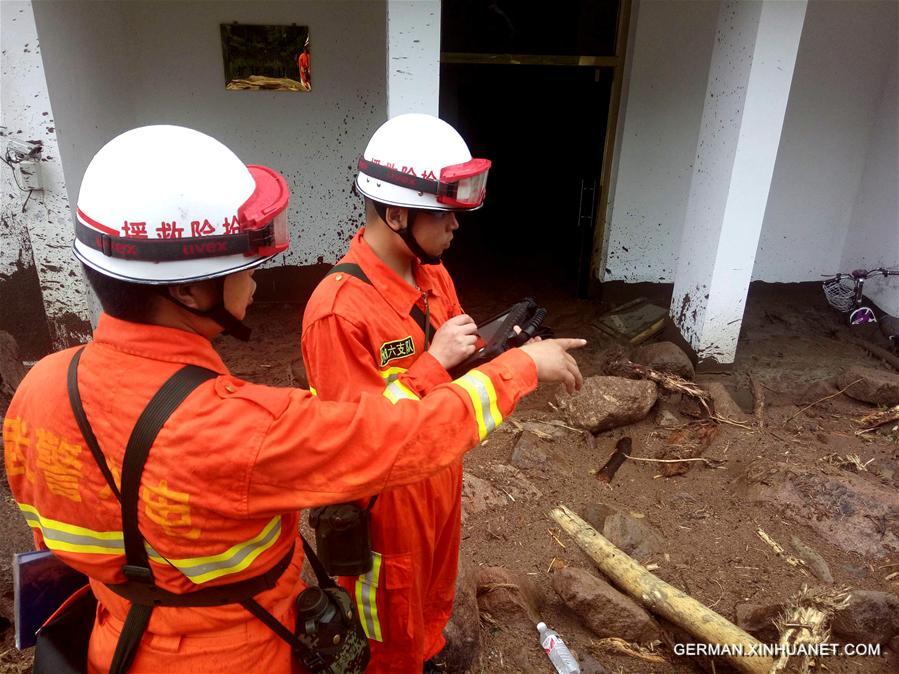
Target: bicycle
x=845, y=293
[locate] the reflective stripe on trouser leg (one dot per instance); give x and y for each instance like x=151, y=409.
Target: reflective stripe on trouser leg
x=367, y=599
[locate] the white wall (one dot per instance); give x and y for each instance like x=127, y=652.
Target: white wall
x=829, y=132
x=413, y=56
x=112, y=66
x=669, y=56
x=840, y=74
x=874, y=235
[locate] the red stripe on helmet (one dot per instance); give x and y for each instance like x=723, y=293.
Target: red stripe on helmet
x=96, y=225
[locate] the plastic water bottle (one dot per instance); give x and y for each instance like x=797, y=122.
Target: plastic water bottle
x=557, y=651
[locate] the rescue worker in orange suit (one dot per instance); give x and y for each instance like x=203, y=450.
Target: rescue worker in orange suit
x=170, y=225
x=304, y=67
x=360, y=335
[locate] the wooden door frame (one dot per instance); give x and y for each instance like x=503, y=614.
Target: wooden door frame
x=616, y=64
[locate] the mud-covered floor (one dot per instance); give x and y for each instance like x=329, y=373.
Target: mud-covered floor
x=787, y=480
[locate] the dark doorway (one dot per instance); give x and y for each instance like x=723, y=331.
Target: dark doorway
x=541, y=118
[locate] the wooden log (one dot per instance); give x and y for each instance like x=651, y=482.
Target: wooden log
x=619, y=456
x=660, y=597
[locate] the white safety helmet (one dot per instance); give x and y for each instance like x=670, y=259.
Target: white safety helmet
x=166, y=204
x=420, y=161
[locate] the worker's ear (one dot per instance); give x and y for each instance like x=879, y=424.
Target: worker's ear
x=201, y=295
x=397, y=218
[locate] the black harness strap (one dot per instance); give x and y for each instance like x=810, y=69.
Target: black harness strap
x=84, y=425
x=352, y=269
x=419, y=316
x=150, y=422
x=140, y=588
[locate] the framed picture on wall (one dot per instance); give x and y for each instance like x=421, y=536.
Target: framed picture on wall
x=273, y=58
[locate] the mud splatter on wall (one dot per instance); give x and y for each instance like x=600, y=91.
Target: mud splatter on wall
x=43, y=299
x=413, y=56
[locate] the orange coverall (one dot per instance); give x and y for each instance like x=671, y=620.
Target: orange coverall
x=223, y=483
x=359, y=338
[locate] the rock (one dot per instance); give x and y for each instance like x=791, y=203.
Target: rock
x=544, y=430
x=298, y=374
x=463, y=631
x=816, y=391
x=666, y=419
x=508, y=598
x=813, y=560
x=758, y=620
x=725, y=405
x=608, y=402
x=603, y=609
x=851, y=511
x=665, y=357
x=511, y=482
x=871, y=617
x=877, y=387
x=596, y=513
x=590, y=665
x=529, y=454
x=479, y=495
x=506, y=484
x=635, y=536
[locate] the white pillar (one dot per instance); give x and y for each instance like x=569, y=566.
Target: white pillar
x=413, y=56
x=46, y=221
x=746, y=99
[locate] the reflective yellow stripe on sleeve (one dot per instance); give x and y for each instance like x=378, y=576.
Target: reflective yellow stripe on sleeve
x=483, y=398
x=390, y=374
x=395, y=390
x=367, y=599
x=398, y=391
x=66, y=537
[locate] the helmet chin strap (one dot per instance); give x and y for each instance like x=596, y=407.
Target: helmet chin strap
x=408, y=236
x=230, y=324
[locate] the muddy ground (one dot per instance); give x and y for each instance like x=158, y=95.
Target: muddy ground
x=788, y=480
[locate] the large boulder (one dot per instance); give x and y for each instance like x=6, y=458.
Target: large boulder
x=665, y=357
x=635, y=536
x=608, y=402
x=871, y=617
x=602, y=608
x=877, y=387
x=850, y=511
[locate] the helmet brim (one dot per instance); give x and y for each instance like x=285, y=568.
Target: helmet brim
x=168, y=273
